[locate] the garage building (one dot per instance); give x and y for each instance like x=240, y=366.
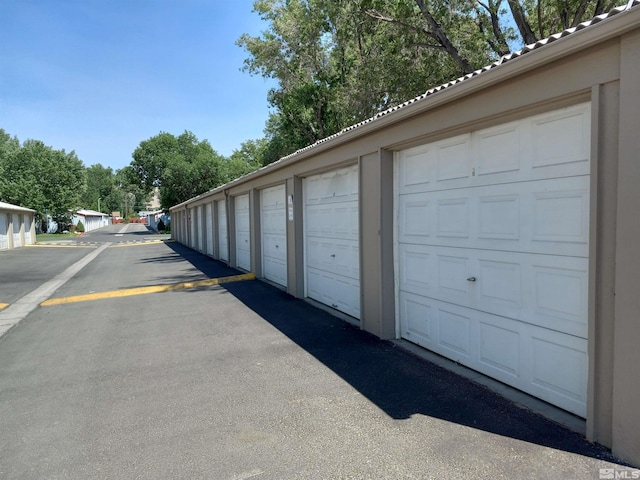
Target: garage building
x=17, y=226
x=492, y=220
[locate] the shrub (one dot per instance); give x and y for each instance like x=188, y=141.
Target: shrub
x=80, y=227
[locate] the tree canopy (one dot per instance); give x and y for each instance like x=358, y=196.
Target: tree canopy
x=182, y=167
x=36, y=176
x=338, y=62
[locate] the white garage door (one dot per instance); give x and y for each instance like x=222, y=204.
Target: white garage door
x=492, y=252
x=199, y=228
x=17, y=239
x=243, y=245
x=209, y=225
x=27, y=230
x=273, y=222
x=223, y=239
x=4, y=224
x=332, y=263
x=192, y=226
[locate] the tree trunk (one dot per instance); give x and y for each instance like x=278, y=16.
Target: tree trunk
x=521, y=21
x=441, y=37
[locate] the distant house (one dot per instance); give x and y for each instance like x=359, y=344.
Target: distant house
x=91, y=219
x=17, y=227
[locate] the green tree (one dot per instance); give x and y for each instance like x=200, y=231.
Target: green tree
x=128, y=196
x=182, y=166
x=38, y=177
x=100, y=183
x=246, y=159
x=338, y=62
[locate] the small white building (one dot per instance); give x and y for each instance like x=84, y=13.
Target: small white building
x=153, y=218
x=91, y=219
x=17, y=227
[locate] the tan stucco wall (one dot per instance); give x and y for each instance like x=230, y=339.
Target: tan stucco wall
x=606, y=74
x=626, y=345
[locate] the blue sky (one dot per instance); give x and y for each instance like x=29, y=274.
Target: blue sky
x=100, y=76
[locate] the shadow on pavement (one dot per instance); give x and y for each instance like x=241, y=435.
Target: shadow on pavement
x=399, y=383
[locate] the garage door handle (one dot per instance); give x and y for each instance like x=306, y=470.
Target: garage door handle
x=333, y=255
x=276, y=246
x=471, y=279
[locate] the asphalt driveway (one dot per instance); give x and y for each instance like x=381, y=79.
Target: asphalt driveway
x=243, y=381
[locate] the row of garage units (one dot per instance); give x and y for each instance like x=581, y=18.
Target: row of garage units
x=17, y=227
x=258, y=241
x=490, y=247
x=497, y=230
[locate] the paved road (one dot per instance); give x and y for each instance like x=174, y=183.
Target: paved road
x=237, y=381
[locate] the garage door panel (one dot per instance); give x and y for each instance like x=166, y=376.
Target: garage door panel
x=499, y=150
x=414, y=215
x=209, y=228
x=499, y=348
x=453, y=218
x=338, y=221
x=274, y=220
x=339, y=292
x=416, y=169
x=4, y=225
x=499, y=217
x=522, y=355
x=201, y=228
x=332, y=261
x=454, y=332
x=545, y=217
x=27, y=230
x=243, y=241
x=242, y=244
x=332, y=187
x=561, y=216
x=274, y=251
x=340, y=257
x=453, y=272
x=545, y=290
x=273, y=198
x=276, y=270
x=419, y=319
x=453, y=159
x=346, y=293
x=564, y=386
x=561, y=137
x=17, y=238
x=501, y=284
x=417, y=274
x=274, y=246
x=554, y=144
x=560, y=295
x=223, y=238
x=274, y=240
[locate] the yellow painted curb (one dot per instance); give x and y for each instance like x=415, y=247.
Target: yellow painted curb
x=145, y=290
x=3, y=305
x=150, y=242
x=44, y=245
